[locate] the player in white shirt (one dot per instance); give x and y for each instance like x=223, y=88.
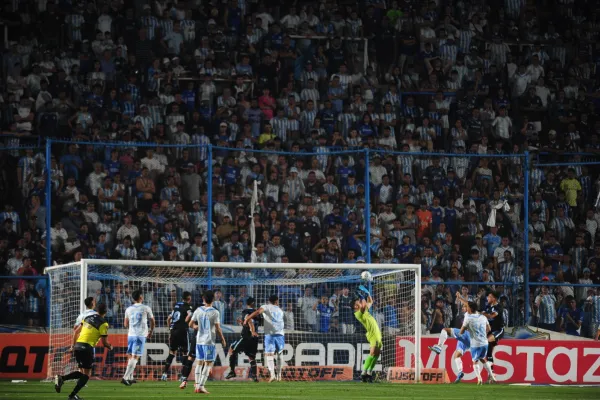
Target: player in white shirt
x=274, y=335
x=90, y=304
x=207, y=320
x=137, y=316
x=478, y=327
x=463, y=345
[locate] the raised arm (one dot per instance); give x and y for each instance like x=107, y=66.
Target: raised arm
x=369, y=302
x=253, y=315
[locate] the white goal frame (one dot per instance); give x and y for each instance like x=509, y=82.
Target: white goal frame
x=416, y=268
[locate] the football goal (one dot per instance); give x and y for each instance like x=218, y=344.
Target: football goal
x=323, y=339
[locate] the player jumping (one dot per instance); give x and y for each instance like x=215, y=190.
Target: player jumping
x=478, y=327
x=248, y=343
x=495, y=316
x=464, y=343
x=93, y=329
x=274, y=335
x=361, y=308
x=207, y=319
x=137, y=316
x=179, y=339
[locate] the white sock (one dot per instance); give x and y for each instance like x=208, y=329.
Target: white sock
x=443, y=337
x=488, y=367
x=279, y=364
x=477, y=369
x=271, y=365
x=459, y=364
x=205, y=374
x=130, y=368
x=198, y=374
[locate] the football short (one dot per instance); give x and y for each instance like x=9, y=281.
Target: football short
x=84, y=355
x=135, y=345
x=179, y=340
x=479, y=353
x=274, y=343
x=498, y=334
x=248, y=346
x=464, y=340
x=206, y=352
x=375, y=339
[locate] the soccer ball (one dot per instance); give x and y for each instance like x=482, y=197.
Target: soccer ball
x=366, y=276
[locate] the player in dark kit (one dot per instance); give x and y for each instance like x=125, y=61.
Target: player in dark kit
x=248, y=343
x=495, y=315
x=179, y=337
x=188, y=363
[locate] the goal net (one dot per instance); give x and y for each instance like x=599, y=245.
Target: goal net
x=323, y=339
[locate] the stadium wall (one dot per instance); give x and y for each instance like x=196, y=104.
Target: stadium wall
x=24, y=356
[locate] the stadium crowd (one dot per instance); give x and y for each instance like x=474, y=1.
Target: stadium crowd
x=455, y=80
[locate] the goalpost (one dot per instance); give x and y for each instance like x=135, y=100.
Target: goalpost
x=321, y=343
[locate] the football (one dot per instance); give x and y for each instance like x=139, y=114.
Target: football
x=366, y=276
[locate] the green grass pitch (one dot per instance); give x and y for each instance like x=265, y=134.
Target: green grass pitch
x=34, y=390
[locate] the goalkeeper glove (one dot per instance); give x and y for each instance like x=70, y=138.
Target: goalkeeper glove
x=364, y=290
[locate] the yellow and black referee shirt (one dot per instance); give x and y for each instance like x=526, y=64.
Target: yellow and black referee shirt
x=94, y=327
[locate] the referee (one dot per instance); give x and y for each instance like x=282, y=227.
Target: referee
x=495, y=315
x=93, y=329
x=248, y=343
x=179, y=337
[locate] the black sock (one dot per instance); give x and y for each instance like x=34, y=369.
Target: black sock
x=253, y=371
x=72, y=376
x=187, y=367
x=233, y=360
x=80, y=384
x=168, y=362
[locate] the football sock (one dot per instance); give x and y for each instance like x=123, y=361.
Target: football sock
x=372, y=365
x=129, y=370
x=168, y=362
x=443, y=337
x=490, y=362
x=279, y=364
x=253, y=370
x=367, y=364
x=477, y=369
x=198, y=374
x=205, y=374
x=459, y=364
x=73, y=375
x=80, y=385
x=271, y=365
x=233, y=360
x=488, y=367
x=187, y=367
x=134, y=362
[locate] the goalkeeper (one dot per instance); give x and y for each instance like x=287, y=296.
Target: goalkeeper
x=361, y=306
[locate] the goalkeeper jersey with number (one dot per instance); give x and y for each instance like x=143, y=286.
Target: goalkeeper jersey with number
x=370, y=324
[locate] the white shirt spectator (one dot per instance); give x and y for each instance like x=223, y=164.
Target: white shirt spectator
x=502, y=126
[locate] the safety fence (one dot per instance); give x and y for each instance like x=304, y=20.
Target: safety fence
x=445, y=203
